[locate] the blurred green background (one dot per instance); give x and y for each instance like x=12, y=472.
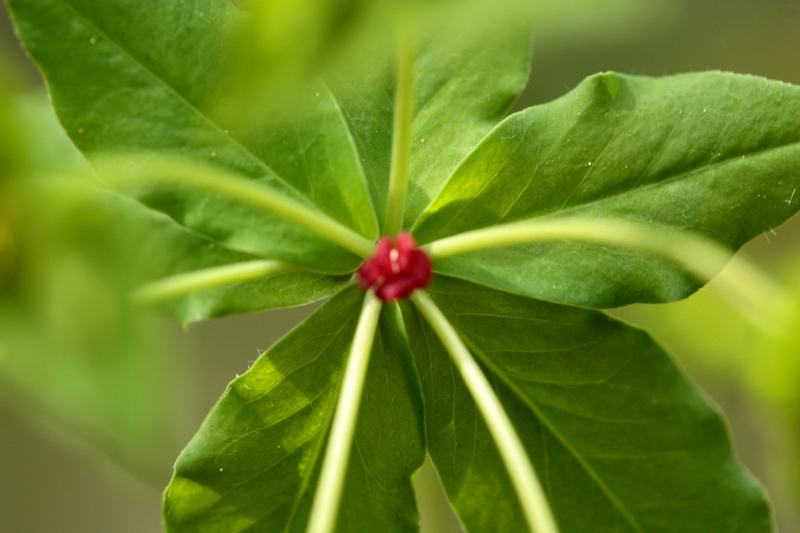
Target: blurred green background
x=54, y=480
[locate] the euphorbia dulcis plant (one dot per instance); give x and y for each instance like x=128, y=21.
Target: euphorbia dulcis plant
x=540, y=412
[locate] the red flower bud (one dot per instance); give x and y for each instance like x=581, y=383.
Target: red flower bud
x=397, y=269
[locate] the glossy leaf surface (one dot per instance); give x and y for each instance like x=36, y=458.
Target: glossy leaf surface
x=712, y=153
x=620, y=439
x=253, y=466
x=124, y=80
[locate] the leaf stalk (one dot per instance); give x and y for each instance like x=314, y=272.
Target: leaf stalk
x=328, y=495
x=208, y=278
x=401, y=138
x=533, y=501
x=755, y=294
x=236, y=187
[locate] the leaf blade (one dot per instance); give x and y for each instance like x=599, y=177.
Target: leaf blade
x=622, y=442
x=465, y=81
x=175, y=250
x=119, y=89
x=468, y=80
x=680, y=151
x=223, y=478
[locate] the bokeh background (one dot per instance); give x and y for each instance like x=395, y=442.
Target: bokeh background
x=57, y=481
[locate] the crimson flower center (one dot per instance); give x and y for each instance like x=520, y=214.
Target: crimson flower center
x=396, y=269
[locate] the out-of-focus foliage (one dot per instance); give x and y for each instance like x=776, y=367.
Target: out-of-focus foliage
x=71, y=344
x=284, y=43
x=10, y=147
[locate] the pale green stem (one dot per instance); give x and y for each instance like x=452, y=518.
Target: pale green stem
x=401, y=138
x=236, y=187
x=328, y=495
x=754, y=293
x=757, y=296
x=533, y=501
x=208, y=278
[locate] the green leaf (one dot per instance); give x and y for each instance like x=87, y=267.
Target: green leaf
x=619, y=438
x=71, y=344
x=712, y=153
x=175, y=250
x=11, y=150
x=71, y=347
x=123, y=79
x=253, y=465
x=41, y=139
x=284, y=44
x=310, y=144
x=465, y=82
x=286, y=290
